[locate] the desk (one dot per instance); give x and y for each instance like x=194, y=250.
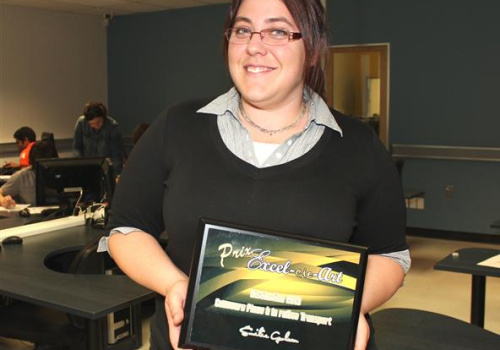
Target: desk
x=466, y=262
x=24, y=276
x=496, y=224
x=411, y=329
x=10, y=219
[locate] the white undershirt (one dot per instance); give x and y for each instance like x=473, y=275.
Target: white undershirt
x=263, y=150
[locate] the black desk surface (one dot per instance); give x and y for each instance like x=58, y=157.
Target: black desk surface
x=496, y=224
x=466, y=262
x=407, y=329
x=13, y=219
x=24, y=276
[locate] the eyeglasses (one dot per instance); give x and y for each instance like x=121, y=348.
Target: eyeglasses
x=269, y=36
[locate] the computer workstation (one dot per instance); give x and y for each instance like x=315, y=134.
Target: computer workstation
x=30, y=272
x=63, y=188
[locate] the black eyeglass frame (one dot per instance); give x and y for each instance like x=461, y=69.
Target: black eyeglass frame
x=292, y=36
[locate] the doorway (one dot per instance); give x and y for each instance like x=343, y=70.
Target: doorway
x=357, y=84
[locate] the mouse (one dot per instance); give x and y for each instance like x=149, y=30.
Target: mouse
x=12, y=240
x=24, y=213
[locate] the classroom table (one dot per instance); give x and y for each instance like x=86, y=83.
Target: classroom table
x=25, y=276
x=495, y=224
x=466, y=261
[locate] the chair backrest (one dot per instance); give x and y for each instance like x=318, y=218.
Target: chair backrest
x=49, y=137
x=87, y=260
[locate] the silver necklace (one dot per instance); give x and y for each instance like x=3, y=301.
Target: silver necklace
x=272, y=132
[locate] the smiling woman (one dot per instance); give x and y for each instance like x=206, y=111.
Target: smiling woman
x=269, y=69
x=268, y=153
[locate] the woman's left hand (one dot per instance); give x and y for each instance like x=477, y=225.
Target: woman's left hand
x=362, y=334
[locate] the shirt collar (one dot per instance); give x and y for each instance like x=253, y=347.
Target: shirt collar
x=319, y=112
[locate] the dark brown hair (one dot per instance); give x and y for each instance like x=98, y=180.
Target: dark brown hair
x=25, y=132
x=94, y=109
x=309, y=15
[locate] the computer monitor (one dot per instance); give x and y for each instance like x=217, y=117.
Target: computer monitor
x=53, y=175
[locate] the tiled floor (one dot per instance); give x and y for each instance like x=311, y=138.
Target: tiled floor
x=444, y=292
x=425, y=288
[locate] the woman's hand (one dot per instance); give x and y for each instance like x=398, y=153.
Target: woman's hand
x=362, y=334
x=7, y=202
x=174, y=307
x=140, y=256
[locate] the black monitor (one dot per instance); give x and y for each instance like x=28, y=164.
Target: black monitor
x=54, y=175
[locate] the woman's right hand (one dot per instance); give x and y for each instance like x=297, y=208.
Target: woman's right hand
x=7, y=202
x=174, y=307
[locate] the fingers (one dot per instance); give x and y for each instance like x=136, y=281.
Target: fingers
x=175, y=300
x=173, y=328
x=8, y=202
x=174, y=308
x=11, y=203
x=362, y=334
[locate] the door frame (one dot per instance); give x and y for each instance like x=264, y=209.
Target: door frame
x=384, y=50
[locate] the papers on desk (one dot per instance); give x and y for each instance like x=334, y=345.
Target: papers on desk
x=32, y=210
x=18, y=207
x=38, y=210
x=494, y=261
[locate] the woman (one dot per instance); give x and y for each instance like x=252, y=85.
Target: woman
x=268, y=153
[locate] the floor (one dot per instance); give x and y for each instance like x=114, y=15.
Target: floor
x=425, y=288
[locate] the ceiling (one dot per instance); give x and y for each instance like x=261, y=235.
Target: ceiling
x=110, y=7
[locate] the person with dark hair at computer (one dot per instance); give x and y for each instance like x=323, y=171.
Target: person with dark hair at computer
x=96, y=134
x=20, y=188
x=268, y=153
x=135, y=136
x=25, y=138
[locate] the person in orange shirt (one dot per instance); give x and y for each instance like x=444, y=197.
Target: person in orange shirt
x=25, y=139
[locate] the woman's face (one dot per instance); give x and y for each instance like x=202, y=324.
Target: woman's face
x=267, y=76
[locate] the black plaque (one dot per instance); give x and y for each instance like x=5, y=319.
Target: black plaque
x=258, y=289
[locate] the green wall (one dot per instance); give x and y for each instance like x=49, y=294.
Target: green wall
x=160, y=58
x=443, y=83
x=444, y=75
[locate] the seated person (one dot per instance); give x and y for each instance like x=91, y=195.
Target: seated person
x=21, y=187
x=25, y=139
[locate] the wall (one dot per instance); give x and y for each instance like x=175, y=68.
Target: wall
x=50, y=64
x=443, y=91
x=157, y=59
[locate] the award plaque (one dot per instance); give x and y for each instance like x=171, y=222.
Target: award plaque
x=258, y=289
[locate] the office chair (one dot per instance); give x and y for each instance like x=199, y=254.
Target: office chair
x=411, y=329
x=45, y=327
x=49, y=138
